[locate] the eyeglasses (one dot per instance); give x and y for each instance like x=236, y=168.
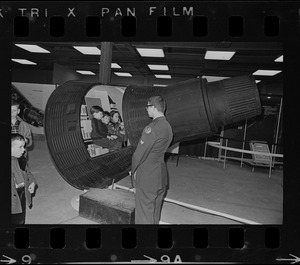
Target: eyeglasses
x=148, y=106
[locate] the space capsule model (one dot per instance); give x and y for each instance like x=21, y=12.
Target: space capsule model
x=195, y=109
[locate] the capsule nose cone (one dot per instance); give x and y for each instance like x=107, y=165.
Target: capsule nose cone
x=195, y=108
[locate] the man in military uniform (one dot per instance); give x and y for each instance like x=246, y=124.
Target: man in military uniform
x=148, y=164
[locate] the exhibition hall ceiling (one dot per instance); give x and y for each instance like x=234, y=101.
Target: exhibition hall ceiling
x=183, y=60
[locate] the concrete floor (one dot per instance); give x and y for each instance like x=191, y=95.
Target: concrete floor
x=234, y=191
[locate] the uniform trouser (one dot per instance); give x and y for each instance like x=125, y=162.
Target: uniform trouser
x=148, y=206
x=19, y=218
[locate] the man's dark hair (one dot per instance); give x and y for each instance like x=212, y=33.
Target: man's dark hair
x=16, y=136
x=158, y=102
x=96, y=109
x=15, y=103
x=106, y=113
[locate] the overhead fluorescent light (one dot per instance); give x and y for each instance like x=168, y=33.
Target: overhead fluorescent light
x=85, y=72
x=257, y=81
x=268, y=97
x=23, y=61
x=163, y=76
x=114, y=65
x=267, y=72
x=159, y=85
x=211, y=78
x=218, y=55
x=32, y=48
x=279, y=59
x=158, y=67
x=88, y=50
x=150, y=52
x=123, y=74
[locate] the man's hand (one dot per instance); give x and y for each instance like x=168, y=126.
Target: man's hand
x=31, y=187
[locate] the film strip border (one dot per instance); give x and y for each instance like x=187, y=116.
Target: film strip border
x=93, y=26
x=208, y=21
x=128, y=243
x=188, y=20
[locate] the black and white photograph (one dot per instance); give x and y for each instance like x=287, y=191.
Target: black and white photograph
x=99, y=157
x=150, y=132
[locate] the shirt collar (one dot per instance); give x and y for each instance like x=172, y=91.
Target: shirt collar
x=159, y=116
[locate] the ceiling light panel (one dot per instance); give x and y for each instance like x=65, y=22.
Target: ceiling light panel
x=218, y=55
x=211, y=78
x=279, y=59
x=85, y=72
x=32, y=48
x=114, y=65
x=123, y=74
x=88, y=50
x=159, y=85
x=151, y=52
x=158, y=67
x=23, y=61
x=163, y=76
x=267, y=72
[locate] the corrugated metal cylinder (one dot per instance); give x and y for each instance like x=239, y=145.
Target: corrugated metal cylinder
x=66, y=144
x=195, y=109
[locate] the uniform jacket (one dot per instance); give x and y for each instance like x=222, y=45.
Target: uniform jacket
x=28, y=179
x=25, y=131
x=148, y=158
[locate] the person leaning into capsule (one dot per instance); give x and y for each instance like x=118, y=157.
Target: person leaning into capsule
x=148, y=165
x=116, y=126
x=99, y=133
